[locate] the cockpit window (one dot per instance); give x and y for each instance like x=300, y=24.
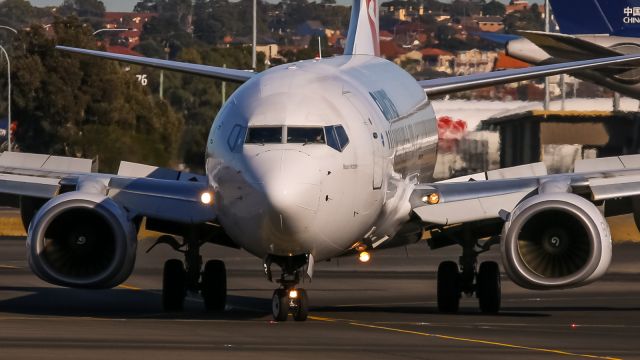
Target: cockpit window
x=264, y=135
x=337, y=137
x=305, y=135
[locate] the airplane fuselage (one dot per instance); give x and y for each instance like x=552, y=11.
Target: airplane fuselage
x=315, y=156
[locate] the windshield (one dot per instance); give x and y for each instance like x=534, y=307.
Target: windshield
x=264, y=135
x=305, y=135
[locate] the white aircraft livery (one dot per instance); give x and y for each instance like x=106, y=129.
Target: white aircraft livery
x=317, y=159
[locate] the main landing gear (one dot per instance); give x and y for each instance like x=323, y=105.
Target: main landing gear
x=289, y=299
x=468, y=278
x=181, y=277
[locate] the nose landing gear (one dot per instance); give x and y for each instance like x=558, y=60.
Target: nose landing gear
x=289, y=299
x=294, y=301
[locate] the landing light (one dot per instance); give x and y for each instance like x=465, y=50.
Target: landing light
x=431, y=199
x=206, y=198
x=364, y=257
x=293, y=294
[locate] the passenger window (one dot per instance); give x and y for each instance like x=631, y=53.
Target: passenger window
x=305, y=135
x=336, y=137
x=264, y=135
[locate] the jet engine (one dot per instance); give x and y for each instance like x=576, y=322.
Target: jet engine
x=82, y=240
x=554, y=241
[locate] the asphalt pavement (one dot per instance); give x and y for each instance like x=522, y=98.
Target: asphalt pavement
x=385, y=309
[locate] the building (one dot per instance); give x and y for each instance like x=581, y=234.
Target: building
x=133, y=22
x=559, y=137
x=489, y=23
x=474, y=61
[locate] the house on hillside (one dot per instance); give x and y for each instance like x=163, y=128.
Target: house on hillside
x=489, y=23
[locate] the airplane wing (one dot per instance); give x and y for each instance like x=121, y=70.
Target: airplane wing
x=219, y=73
x=142, y=190
x=449, y=85
x=494, y=194
x=568, y=47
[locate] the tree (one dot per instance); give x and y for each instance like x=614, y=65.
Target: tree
x=529, y=19
x=82, y=8
x=16, y=12
x=146, y=6
x=493, y=8
x=85, y=107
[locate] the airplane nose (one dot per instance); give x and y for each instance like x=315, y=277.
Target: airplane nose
x=289, y=182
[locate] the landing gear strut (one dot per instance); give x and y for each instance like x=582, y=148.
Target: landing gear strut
x=454, y=280
x=289, y=298
x=181, y=277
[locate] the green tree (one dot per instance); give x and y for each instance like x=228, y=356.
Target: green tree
x=529, y=19
x=146, y=6
x=493, y=8
x=82, y=8
x=80, y=106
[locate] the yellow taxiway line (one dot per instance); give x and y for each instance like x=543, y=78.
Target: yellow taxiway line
x=8, y=267
x=462, y=339
x=129, y=287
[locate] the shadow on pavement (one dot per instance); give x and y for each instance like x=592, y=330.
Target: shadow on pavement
x=122, y=303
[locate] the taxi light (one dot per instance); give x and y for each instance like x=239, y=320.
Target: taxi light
x=206, y=198
x=364, y=257
x=293, y=294
x=431, y=199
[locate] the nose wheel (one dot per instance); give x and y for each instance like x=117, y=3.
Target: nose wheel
x=294, y=301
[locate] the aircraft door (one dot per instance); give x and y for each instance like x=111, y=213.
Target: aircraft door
x=377, y=142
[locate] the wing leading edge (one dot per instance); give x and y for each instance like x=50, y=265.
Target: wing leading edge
x=219, y=73
x=449, y=85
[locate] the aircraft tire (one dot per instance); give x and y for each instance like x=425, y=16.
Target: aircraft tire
x=301, y=312
x=488, y=288
x=448, y=287
x=214, y=285
x=280, y=305
x=174, y=285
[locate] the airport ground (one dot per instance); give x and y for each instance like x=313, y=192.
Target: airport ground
x=381, y=310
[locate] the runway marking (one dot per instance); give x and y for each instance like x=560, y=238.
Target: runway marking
x=129, y=287
x=319, y=318
x=9, y=267
x=468, y=340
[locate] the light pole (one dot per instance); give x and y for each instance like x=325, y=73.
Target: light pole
x=8, y=99
x=9, y=86
x=105, y=29
x=546, y=79
x=9, y=28
x=255, y=36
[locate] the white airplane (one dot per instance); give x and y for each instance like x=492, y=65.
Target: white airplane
x=312, y=160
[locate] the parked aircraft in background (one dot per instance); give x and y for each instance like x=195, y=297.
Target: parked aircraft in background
x=593, y=29
x=312, y=160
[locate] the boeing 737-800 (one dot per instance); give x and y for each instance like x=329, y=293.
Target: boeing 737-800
x=312, y=160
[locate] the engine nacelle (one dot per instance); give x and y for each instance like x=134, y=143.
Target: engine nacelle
x=554, y=241
x=82, y=240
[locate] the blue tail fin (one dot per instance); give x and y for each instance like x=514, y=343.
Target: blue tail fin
x=613, y=17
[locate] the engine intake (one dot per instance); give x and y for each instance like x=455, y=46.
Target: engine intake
x=82, y=240
x=555, y=240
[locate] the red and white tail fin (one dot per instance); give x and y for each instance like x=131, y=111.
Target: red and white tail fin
x=363, y=37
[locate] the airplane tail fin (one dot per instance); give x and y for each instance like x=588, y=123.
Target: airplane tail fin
x=363, y=36
x=619, y=17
